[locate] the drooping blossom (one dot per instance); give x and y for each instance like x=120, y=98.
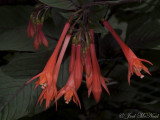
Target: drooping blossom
x=59, y=61
x=69, y=91
x=40, y=37
x=134, y=63
x=74, y=80
x=97, y=78
x=31, y=29
x=61, y=55
x=48, y=84
x=78, y=69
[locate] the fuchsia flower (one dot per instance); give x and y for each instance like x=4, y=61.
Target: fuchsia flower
x=69, y=91
x=59, y=61
x=97, y=78
x=74, y=81
x=40, y=37
x=47, y=78
x=31, y=29
x=78, y=69
x=135, y=63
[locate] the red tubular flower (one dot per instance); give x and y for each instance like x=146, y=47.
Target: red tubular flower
x=51, y=91
x=31, y=29
x=40, y=37
x=135, y=63
x=58, y=64
x=46, y=76
x=61, y=55
x=72, y=61
x=78, y=67
x=97, y=79
x=69, y=91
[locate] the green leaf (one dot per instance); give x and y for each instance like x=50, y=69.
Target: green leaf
x=17, y=100
x=63, y=4
x=16, y=16
x=13, y=25
x=66, y=15
x=16, y=40
x=97, y=13
x=145, y=36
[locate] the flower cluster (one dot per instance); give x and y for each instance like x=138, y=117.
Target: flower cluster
x=35, y=25
x=83, y=61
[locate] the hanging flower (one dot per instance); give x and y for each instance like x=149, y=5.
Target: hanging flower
x=78, y=70
x=46, y=78
x=40, y=37
x=97, y=78
x=31, y=29
x=74, y=81
x=69, y=91
x=135, y=63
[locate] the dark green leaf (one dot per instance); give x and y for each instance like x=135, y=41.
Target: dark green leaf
x=63, y=4
x=17, y=100
x=145, y=36
x=13, y=25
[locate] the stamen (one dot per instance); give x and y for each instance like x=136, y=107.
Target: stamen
x=67, y=101
x=43, y=86
x=142, y=76
x=65, y=98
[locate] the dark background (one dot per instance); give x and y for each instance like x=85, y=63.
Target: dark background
x=138, y=24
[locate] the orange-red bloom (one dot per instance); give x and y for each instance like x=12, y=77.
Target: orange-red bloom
x=48, y=84
x=135, y=64
x=61, y=55
x=31, y=29
x=74, y=81
x=78, y=70
x=97, y=78
x=69, y=91
x=40, y=37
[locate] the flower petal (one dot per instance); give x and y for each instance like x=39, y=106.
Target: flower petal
x=145, y=61
x=34, y=77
